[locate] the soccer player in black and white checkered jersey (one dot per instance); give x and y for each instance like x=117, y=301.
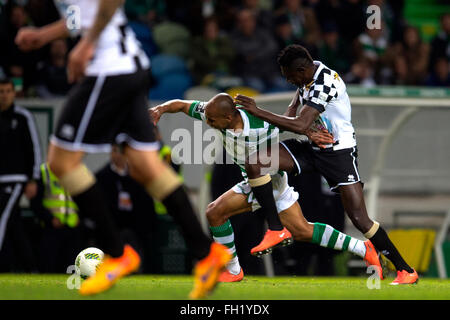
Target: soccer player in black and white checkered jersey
x=109, y=105
x=325, y=104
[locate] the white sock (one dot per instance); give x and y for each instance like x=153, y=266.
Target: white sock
x=224, y=234
x=328, y=237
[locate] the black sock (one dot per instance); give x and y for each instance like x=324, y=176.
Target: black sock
x=383, y=244
x=179, y=207
x=264, y=196
x=92, y=204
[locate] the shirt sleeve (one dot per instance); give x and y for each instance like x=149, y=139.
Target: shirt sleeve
x=72, y=15
x=197, y=110
x=322, y=91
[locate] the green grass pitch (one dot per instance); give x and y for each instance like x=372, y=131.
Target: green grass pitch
x=162, y=287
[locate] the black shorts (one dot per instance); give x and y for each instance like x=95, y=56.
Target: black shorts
x=103, y=110
x=338, y=167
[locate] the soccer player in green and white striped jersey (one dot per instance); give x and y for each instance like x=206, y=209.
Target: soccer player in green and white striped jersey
x=244, y=134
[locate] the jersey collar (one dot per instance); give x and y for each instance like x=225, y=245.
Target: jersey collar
x=316, y=74
x=246, y=130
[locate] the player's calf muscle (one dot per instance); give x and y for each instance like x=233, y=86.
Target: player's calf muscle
x=300, y=231
x=144, y=166
x=164, y=184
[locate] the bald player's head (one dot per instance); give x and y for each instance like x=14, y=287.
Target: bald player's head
x=220, y=111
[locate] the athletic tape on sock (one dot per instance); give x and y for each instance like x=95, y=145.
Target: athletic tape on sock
x=259, y=181
x=78, y=180
x=369, y=234
x=164, y=184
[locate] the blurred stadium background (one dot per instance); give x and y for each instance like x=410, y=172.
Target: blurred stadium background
x=398, y=81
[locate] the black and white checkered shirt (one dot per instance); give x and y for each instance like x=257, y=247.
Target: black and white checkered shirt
x=328, y=94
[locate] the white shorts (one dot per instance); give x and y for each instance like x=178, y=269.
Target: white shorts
x=285, y=196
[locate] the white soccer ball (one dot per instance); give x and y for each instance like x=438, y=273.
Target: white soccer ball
x=88, y=261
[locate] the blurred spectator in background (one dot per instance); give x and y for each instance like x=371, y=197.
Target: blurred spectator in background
x=42, y=12
x=332, y=50
x=52, y=76
x=440, y=77
x=284, y=34
x=303, y=21
x=350, y=19
x=349, y=16
x=256, y=52
x=145, y=11
x=372, y=46
x=400, y=72
x=334, y=31
x=211, y=55
x=390, y=25
x=130, y=204
x=361, y=72
x=19, y=168
x=440, y=45
x=191, y=13
x=264, y=18
x=410, y=58
x=61, y=238
x=396, y=18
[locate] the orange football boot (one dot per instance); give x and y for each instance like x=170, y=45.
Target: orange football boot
x=226, y=276
x=271, y=240
x=372, y=258
x=404, y=277
x=111, y=270
x=207, y=270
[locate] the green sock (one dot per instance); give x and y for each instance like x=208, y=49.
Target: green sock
x=328, y=237
x=224, y=234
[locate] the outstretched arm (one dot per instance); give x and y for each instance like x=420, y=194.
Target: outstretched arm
x=31, y=38
x=172, y=106
x=298, y=124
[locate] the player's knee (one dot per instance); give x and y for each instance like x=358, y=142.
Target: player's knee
x=214, y=213
x=59, y=168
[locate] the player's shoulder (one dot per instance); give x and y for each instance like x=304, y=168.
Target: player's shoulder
x=253, y=121
x=197, y=110
x=198, y=106
x=326, y=76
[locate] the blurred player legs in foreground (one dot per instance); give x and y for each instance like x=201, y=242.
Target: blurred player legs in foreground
x=108, y=104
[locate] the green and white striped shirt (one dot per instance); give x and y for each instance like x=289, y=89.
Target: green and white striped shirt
x=255, y=135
